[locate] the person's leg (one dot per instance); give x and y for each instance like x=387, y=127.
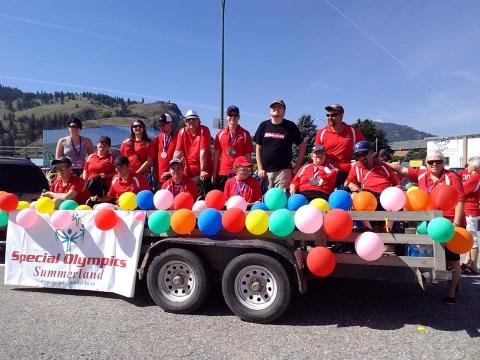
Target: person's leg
x=283, y=179
x=471, y=257
x=220, y=182
x=271, y=176
x=453, y=264
x=340, y=180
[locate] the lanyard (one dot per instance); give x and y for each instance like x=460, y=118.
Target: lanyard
x=176, y=189
x=232, y=138
x=239, y=188
x=166, y=140
x=75, y=148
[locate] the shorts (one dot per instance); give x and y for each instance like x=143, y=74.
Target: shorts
x=450, y=256
x=280, y=179
x=472, y=227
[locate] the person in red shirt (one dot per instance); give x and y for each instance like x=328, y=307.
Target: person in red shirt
x=165, y=144
x=231, y=142
x=338, y=139
x=178, y=182
x=317, y=179
x=99, y=169
x=243, y=184
x=66, y=186
x=139, y=149
x=464, y=174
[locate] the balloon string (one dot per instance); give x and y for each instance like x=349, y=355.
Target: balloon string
x=387, y=230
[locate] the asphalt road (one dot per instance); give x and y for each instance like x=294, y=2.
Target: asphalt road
x=335, y=319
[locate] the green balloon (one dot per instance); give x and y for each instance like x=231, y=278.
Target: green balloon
x=159, y=221
x=422, y=228
x=275, y=199
x=440, y=229
x=68, y=205
x=281, y=223
x=3, y=218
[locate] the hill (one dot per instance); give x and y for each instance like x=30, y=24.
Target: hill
x=395, y=132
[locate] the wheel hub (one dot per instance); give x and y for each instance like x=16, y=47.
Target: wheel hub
x=176, y=281
x=255, y=287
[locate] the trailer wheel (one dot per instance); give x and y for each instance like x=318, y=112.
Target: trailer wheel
x=177, y=281
x=256, y=288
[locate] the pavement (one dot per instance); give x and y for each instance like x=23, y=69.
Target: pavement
x=335, y=319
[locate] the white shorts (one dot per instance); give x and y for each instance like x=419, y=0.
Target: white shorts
x=472, y=227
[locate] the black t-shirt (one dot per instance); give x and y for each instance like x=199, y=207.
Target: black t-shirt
x=276, y=142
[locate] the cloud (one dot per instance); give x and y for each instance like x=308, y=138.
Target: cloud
x=463, y=74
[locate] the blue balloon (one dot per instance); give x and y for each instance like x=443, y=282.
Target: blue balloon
x=145, y=200
x=210, y=221
x=296, y=201
x=340, y=199
x=260, y=206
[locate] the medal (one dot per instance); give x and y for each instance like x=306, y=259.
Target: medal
x=163, y=155
x=313, y=181
x=231, y=151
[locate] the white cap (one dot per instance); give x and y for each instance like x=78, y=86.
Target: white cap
x=164, y=118
x=191, y=114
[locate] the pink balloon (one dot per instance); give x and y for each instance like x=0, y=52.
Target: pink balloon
x=163, y=199
x=369, y=246
x=308, y=219
x=238, y=202
x=140, y=216
x=199, y=205
x=104, y=206
x=32, y=205
x=61, y=219
x=392, y=199
x=26, y=218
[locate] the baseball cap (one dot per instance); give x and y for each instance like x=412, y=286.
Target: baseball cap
x=318, y=148
x=176, y=162
x=191, y=114
x=61, y=160
x=278, y=101
x=232, y=109
x=242, y=161
x=121, y=160
x=336, y=107
x=164, y=118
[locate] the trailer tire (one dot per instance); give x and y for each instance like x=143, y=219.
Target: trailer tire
x=177, y=281
x=256, y=288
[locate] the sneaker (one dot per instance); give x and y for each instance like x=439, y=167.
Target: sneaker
x=448, y=300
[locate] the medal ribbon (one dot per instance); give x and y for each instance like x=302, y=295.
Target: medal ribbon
x=239, y=188
x=166, y=140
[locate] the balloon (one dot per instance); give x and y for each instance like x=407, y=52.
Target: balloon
x=411, y=188
x=281, y=222
x=26, y=218
x=104, y=206
x=68, y=205
x=183, y=200
x=45, y=205
x=308, y=219
x=8, y=202
x=444, y=197
x=215, y=199
x=32, y=205
x=260, y=206
x=364, y=201
x=199, y=205
x=83, y=208
x=320, y=204
x=106, y=219
x=275, y=198
x=3, y=218
x=127, y=201
x=417, y=200
x=238, y=202
x=140, y=216
x=61, y=219
x=461, y=242
x=392, y=198
x=163, y=199
x=23, y=205
x=422, y=228
x=340, y=199
x=337, y=224
x=256, y=222
x=183, y=221
x=440, y=229
x=321, y=261
x=159, y=221
x=210, y=221
x=369, y=246
x=296, y=201
x=233, y=220
x=145, y=200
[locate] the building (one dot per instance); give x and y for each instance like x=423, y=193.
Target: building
x=456, y=149
x=401, y=148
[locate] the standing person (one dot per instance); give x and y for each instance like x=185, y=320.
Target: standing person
x=165, y=144
x=178, y=182
x=338, y=139
x=243, y=184
x=74, y=146
x=274, y=139
x=99, y=168
x=230, y=143
x=194, y=147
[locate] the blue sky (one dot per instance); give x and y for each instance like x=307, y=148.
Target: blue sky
x=405, y=61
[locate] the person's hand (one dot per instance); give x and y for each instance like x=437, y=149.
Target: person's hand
x=103, y=175
x=203, y=175
x=293, y=190
x=261, y=174
x=166, y=175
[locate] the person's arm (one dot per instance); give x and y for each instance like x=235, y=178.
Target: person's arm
x=457, y=220
x=301, y=154
x=203, y=165
x=398, y=168
x=71, y=194
x=59, y=149
x=216, y=157
x=145, y=166
x=293, y=189
x=351, y=181
x=261, y=171
x=89, y=146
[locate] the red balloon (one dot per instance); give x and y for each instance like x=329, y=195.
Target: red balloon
x=321, y=261
x=233, y=220
x=337, y=224
x=8, y=202
x=183, y=201
x=215, y=199
x=444, y=197
x=106, y=219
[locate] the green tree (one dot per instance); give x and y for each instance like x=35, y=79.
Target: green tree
x=416, y=154
x=376, y=137
x=308, y=129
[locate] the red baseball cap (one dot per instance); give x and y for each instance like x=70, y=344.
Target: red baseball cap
x=242, y=161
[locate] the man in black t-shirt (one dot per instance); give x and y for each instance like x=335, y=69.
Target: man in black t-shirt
x=274, y=139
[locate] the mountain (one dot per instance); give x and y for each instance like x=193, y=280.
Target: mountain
x=395, y=132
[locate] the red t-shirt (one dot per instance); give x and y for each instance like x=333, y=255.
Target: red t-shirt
x=339, y=146
x=191, y=145
x=471, y=188
x=96, y=165
x=135, y=183
x=325, y=176
x=248, y=189
x=187, y=185
x=464, y=175
x=165, y=143
x=137, y=152
x=75, y=183
x=240, y=141
x=376, y=179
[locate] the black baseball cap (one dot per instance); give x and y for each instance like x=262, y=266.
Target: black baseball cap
x=61, y=160
x=164, y=118
x=318, y=148
x=121, y=160
x=232, y=109
x=176, y=162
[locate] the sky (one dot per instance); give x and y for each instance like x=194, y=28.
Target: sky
x=409, y=62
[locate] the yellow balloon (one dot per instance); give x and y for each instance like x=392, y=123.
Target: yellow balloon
x=321, y=204
x=44, y=205
x=411, y=188
x=127, y=201
x=23, y=205
x=256, y=222
x=83, y=207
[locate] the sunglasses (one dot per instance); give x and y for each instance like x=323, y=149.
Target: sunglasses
x=137, y=126
x=190, y=119
x=436, y=162
x=233, y=115
x=332, y=115
x=361, y=154
x=73, y=126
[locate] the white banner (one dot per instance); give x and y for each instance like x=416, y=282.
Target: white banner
x=78, y=257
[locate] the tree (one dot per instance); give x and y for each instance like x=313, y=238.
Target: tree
x=416, y=154
x=376, y=137
x=308, y=129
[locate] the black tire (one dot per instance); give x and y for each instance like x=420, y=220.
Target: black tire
x=186, y=269
x=268, y=301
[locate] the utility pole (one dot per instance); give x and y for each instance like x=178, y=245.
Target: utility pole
x=221, y=81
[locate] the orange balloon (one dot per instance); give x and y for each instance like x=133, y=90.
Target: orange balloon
x=364, y=201
x=461, y=242
x=407, y=206
x=183, y=221
x=418, y=199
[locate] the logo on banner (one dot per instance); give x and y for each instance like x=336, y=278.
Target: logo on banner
x=73, y=235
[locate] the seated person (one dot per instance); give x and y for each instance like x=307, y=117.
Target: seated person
x=178, y=182
x=317, y=179
x=243, y=184
x=66, y=186
x=99, y=169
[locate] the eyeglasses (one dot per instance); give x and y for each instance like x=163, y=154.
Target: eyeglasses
x=61, y=168
x=137, y=126
x=243, y=169
x=361, y=154
x=233, y=115
x=73, y=126
x=332, y=115
x=436, y=162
